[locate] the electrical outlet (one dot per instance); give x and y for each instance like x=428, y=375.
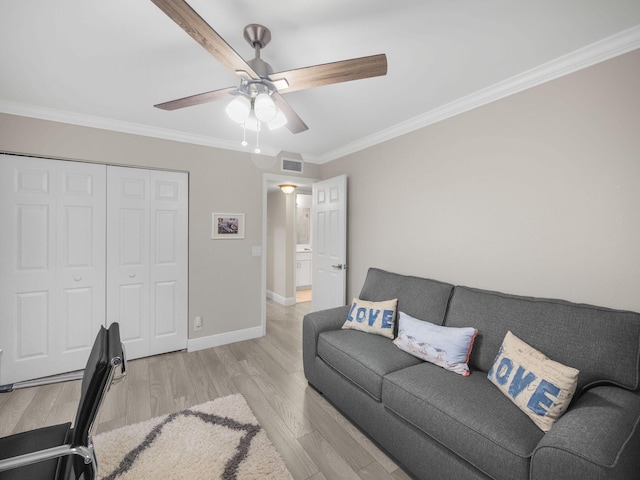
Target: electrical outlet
x=197, y=324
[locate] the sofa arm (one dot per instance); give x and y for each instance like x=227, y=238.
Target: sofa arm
x=597, y=438
x=315, y=323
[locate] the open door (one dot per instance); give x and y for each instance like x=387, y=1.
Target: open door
x=329, y=231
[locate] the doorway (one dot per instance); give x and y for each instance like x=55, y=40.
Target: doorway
x=304, y=246
x=286, y=268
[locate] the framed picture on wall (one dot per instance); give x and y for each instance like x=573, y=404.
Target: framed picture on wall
x=227, y=226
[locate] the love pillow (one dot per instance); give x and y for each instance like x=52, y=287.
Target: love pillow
x=372, y=317
x=539, y=386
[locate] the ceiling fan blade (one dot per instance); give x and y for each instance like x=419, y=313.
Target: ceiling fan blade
x=329, y=73
x=181, y=13
x=197, y=99
x=294, y=123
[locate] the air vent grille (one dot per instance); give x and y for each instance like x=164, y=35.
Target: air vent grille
x=289, y=165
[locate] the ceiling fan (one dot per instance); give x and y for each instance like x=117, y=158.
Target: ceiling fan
x=258, y=84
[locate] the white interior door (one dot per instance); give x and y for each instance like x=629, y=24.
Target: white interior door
x=329, y=230
x=52, y=248
x=128, y=254
x=147, y=264
x=169, y=205
x=81, y=258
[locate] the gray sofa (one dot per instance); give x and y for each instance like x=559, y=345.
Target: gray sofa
x=440, y=425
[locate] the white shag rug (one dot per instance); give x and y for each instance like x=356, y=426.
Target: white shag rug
x=220, y=439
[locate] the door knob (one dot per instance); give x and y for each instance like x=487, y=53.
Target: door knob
x=340, y=266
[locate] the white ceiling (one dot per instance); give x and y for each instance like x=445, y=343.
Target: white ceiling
x=105, y=63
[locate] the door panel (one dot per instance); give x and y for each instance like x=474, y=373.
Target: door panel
x=132, y=237
x=32, y=225
x=77, y=307
x=130, y=312
x=32, y=325
x=165, y=308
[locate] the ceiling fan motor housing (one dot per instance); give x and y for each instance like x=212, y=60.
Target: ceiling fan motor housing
x=261, y=67
x=257, y=35
x=253, y=88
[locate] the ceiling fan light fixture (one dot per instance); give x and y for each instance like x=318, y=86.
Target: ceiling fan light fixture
x=280, y=120
x=239, y=109
x=251, y=123
x=264, y=108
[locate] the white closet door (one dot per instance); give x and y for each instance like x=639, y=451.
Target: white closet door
x=147, y=218
x=169, y=260
x=52, y=254
x=128, y=256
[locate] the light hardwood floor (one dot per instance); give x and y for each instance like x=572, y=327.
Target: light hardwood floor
x=315, y=441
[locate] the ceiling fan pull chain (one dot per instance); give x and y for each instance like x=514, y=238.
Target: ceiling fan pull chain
x=244, y=134
x=257, y=150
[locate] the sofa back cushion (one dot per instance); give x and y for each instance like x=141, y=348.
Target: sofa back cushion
x=419, y=297
x=602, y=343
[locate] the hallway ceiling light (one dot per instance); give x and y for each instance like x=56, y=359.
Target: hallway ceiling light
x=287, y=188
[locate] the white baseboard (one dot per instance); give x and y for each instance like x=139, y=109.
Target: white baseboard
x=195, y=344
x=287, y=302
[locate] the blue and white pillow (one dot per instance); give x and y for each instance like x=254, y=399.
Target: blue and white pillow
x=378, y=318
x=447, y=347
x=540, y=387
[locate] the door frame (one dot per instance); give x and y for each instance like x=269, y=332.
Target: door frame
x=268, y=178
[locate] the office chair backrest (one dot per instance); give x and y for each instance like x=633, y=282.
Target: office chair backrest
x=106, y=355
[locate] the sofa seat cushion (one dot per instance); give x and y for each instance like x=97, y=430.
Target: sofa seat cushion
x=363, y=358
x=467, y=415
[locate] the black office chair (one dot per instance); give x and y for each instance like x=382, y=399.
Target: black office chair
x=64, y=451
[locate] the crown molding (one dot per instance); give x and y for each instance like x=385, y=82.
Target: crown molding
x=623, y=42
x=597, y=52
x=91, y=121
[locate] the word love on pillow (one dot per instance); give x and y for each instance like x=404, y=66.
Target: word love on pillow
x=372, y=317
x=540, y=387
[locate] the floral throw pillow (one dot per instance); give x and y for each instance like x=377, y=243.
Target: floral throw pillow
x=447, y=347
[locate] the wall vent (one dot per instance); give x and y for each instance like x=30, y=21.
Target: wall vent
x=291, y=165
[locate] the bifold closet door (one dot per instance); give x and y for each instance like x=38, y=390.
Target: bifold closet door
x=52, y=256
x=147, y=258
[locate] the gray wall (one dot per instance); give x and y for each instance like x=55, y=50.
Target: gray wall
x=535, y=194
x=225, y=281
